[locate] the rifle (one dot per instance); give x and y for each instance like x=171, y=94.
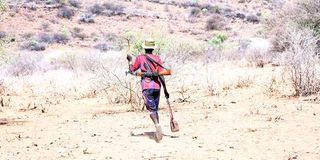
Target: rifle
x=141, y=74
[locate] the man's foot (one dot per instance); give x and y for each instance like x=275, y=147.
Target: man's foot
x=158, y=133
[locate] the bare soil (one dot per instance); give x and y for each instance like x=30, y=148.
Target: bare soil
x=235, y=126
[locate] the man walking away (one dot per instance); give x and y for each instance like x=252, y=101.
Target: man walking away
x=149, y=82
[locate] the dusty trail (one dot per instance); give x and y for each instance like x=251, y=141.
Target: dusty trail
x=225, y=129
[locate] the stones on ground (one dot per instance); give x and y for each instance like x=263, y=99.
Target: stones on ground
x=85, y=151
x=252, y=130
x=220, y=150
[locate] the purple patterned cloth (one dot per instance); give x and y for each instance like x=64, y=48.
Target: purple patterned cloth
x=151, y=99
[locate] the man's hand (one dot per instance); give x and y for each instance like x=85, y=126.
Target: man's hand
x=155, y=74
x=129, y=57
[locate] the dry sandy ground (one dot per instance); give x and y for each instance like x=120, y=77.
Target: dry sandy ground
x=232, y=126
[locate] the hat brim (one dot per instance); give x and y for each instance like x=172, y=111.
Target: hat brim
x=148, y=47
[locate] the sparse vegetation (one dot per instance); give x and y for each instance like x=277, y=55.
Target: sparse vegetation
x=75, y=3
x=56, y=2
x=225, y=80
x=295, y=33
x=195, y=12
x=102, y=47
x=24, y=64
x=302, y=62
x=216, y=22
x=96, y=9
x=61, y=38
x=218, y=40
x=45, y=26
x=45, y=38
x=184, y=96
x=33, y=45
x=65, y=12
x=3, y=5
x=303, y=14
x=106, y=9
x=78, y=33
x=252, y=18
x=112, y=9
x=3, y=35
x=87, y=18
x=243, y=82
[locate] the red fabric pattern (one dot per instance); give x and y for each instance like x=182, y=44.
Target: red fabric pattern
x=147, y=83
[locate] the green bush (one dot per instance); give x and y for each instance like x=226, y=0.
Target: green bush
x=218, y=40
x=3, y=5
x=134, y=42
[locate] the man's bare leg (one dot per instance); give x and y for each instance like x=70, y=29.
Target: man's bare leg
x=155, y=118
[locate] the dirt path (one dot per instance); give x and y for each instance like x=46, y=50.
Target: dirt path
x=228, y=128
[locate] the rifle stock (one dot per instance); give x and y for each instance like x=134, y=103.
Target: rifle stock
x=162, y=73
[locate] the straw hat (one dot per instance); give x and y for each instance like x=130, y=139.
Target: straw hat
x=149, y=44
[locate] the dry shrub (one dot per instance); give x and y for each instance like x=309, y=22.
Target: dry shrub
x=65, y=12
x=112, y=9
x=33, y=45
x=107, y=9
x=96, y=9
x=302, y=61
x=118, y=87
x=182, y=52
x=87, y=17
x=258, y=57
x=295, y=31
x=304, y=14
x=3, y=35
x=215, y=22
x=45, y=38
x=184, y=96
x=75, y=3
x=243, y=82
x=23, y=64
x=272, y=87
x=195, y=12
x=62, y=38
x=78, y=33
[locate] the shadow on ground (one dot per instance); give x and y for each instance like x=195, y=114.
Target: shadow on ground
x=152, y=135
x=8, y=122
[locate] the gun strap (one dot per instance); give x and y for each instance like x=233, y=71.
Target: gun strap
x=155, y=62
x=161, y=78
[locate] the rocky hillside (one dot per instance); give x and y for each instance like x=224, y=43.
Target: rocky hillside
x=38, y=24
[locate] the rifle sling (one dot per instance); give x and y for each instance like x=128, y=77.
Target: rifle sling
x=155, y=62
x=161, y=78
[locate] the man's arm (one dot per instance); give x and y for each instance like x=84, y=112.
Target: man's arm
x=133, y=66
